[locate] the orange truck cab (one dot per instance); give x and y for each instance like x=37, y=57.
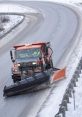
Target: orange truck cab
x=28, y=59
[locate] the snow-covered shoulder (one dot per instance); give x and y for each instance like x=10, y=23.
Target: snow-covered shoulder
x=15, y=8
x=9, y=22
x=11, y=15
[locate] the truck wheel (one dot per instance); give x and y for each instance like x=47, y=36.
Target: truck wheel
x=42, y=67
x=14, y=80
x=51, y=64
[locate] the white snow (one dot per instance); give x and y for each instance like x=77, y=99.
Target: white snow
x=15, y=8
x=16, y=14
x=13, y=11
x=77, y=112
x=14, y=20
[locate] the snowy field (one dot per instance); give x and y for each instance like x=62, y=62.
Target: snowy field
x=9, y=22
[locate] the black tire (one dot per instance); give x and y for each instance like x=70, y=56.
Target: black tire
x=42, y=68
x=16, y=78
x=51, y=64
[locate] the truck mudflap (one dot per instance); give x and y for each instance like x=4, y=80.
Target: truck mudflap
x=26, y=84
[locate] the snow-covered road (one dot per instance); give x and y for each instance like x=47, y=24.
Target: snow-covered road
x=59, y=26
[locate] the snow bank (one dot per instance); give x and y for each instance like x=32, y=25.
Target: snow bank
x=14, y=20
x=16, y=14
x=78, y=91
x=78, y=101
x=15, y=8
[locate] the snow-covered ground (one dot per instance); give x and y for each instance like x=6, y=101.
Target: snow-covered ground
x=17, y=14
x=7, y=26
x=15, y=8
x=77, y=112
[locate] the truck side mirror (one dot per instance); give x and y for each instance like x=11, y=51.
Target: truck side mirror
x=13, y=60
x=11, y=55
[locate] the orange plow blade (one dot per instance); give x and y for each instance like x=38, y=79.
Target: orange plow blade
x=59, y=74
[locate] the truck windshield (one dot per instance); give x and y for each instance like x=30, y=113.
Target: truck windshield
x=28, y=53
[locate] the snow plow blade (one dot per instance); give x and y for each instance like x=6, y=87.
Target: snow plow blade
x=26, y=84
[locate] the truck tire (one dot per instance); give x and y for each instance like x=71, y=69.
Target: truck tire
x=16, y=78
x=51, y=64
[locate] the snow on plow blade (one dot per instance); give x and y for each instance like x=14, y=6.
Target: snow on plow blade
x=26, y=84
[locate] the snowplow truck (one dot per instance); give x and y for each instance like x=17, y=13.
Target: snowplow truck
x=32, y=67
x=30, y=59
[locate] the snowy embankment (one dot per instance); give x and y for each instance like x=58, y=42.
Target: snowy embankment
x=17, y=14
x=77, y=110
x=75, y=106
x=9, y=22
x=74, y=68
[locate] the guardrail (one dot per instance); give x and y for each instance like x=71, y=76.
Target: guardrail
x=69, y=92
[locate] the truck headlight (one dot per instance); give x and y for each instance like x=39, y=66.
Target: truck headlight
x=15, y=70
x=34, y=63
x=18, y=64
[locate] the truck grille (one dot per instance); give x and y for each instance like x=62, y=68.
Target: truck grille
x=25, y=66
